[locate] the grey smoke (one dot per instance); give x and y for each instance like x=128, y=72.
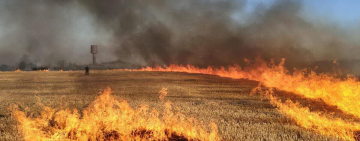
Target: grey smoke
x=148, y=32
x=46, y=32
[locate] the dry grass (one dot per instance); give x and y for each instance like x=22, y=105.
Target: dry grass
x=226, y=102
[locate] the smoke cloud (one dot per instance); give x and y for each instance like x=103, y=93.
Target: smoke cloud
x=46, y=32
x=148, y=32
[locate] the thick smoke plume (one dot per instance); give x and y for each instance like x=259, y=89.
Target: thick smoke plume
x=148, y=32
x=45, y=32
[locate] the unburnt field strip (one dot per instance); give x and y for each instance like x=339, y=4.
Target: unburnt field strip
x=226, y=102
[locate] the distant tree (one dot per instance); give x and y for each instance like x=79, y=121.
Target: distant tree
x=4, y=67
x=25, y=63
x=22, y=65
x=32, y=65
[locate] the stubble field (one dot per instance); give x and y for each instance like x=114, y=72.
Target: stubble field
x=224, y=101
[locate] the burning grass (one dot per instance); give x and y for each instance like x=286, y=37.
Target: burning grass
x=109, y=119
x=317, y=121
x=224, y=101
x=329, y=88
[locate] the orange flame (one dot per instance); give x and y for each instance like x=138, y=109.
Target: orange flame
x=109, y=119
x=335, y=62
x=46, y=70
x=334, y=91
x=317, y=121
x=340, y=92
x=17, y=70
x=162, y=93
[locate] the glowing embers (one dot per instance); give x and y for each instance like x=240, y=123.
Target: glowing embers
x=108, y=119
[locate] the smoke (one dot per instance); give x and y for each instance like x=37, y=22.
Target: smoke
x=148, y=32
x=46, y=32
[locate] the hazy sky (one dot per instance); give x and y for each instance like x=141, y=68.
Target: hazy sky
x=343, y=12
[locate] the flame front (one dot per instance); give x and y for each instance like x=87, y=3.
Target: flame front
x=333, y=90
x=109, y=119
x=324, y=124
x=46, y=70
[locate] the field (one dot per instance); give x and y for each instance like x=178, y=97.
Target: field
x=226, y=102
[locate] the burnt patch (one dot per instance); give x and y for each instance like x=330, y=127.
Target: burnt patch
x=171, y=136
x=175, y=137
x=144, y=134
x=357, y=135
x=113, y=135
x=72, y=135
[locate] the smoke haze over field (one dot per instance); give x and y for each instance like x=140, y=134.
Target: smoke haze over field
x=147, y=32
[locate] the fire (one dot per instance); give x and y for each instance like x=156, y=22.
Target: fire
x=17, y=70
x=46, y=70
x=109, y=119
x=162, y=93
x=335, y=91
x=317, y=121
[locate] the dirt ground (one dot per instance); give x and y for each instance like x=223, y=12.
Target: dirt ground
x=226, y=102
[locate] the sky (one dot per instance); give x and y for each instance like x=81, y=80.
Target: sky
x=342, y=12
